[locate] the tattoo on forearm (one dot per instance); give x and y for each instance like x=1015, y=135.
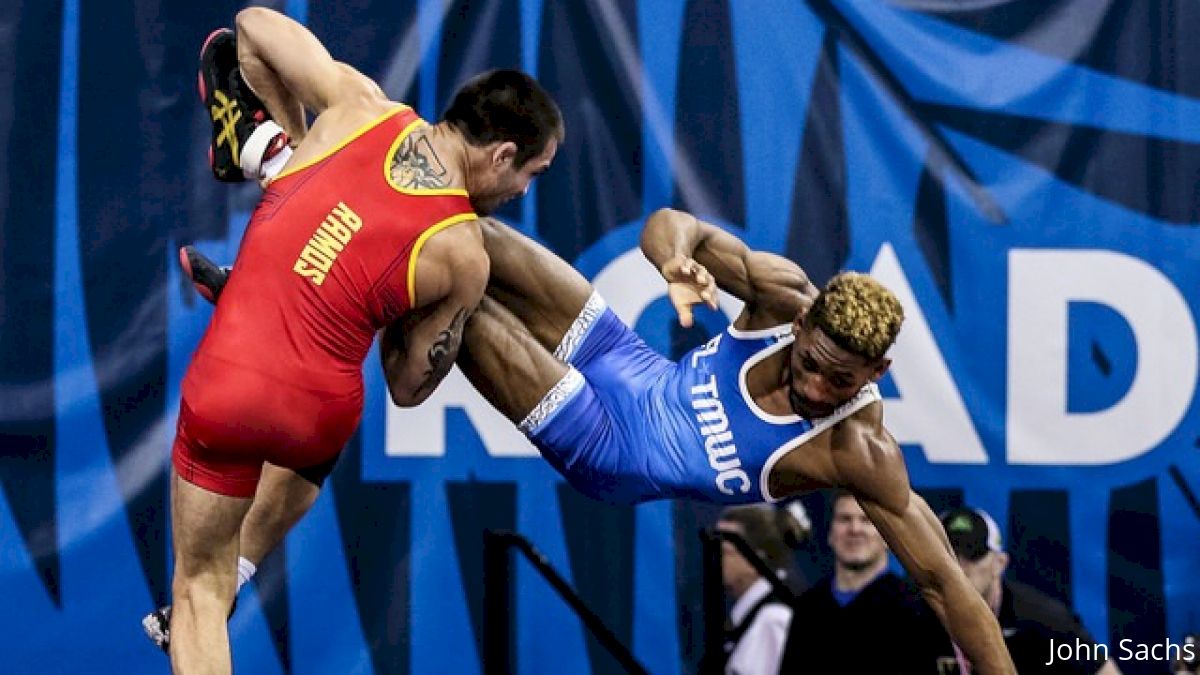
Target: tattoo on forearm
x=417, y=165
x=443, y=351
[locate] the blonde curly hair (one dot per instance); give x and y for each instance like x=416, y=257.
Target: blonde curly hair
x=858, y=313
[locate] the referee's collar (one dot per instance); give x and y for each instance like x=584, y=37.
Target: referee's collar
x=757, y=591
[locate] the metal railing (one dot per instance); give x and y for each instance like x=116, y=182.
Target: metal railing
x=498, y=585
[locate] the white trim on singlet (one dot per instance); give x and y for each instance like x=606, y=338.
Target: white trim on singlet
x=760, y=333
x=865, y=396
x=580, y=327
x=563, y=391
x=766, y=352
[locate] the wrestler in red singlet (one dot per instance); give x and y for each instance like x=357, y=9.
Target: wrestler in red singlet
x=328, y=259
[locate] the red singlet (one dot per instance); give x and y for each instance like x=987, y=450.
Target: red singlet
x=328, y=259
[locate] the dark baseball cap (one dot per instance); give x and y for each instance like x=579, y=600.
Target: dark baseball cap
x=972, y=532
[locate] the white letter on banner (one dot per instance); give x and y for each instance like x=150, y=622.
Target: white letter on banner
x=930, y=411
x=629, y=284
x=1042, y=283
x=421, y=431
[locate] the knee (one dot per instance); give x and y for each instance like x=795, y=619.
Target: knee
x=204, y=592
x=200, y=573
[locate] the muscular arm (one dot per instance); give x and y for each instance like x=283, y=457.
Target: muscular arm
x=764, y=281
x=419, y=349
x=418, y=353
x=871, y=466
x=291, y=70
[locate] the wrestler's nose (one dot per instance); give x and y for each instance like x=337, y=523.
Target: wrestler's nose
x=814, y=389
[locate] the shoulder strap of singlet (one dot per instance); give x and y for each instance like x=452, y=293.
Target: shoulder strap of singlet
x=411, y=278
x=760, y=333
x=399, y=109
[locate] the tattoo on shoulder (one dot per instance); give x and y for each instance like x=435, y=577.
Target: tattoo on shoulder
x=417, y=165
x=443, y=350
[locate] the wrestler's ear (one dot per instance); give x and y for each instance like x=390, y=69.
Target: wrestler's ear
x=503, y=154
x=880, y=368
x=798, y=322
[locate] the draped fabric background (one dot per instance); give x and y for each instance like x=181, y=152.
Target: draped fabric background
x=1022, y=173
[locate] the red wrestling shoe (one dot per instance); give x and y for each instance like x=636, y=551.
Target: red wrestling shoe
x=206, y=276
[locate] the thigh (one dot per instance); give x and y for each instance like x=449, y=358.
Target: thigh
x=587, y=439
x=282, y=485
x=503, y=360
x=570, y=421
x=611, y=355
x=541, y=289
x=282, y=499
x=204, y=528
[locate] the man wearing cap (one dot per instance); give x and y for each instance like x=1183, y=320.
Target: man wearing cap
x=1033, y=623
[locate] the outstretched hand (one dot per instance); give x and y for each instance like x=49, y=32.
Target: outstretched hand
x=688, y=283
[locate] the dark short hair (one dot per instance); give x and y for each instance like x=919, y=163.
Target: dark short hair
x=506, y=105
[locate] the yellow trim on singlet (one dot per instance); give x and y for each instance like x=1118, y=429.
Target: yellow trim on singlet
x=341, y=144
x=387, y=168
x=416, y=250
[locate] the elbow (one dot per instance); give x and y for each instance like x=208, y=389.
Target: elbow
x=674, y=223
x=660, y=218
x=933, y=591
x=934, y=582
x=247, y=19
x=405, y=398
x=655, y=225
x=944, y=582
x=402, y=396
x=252, y=22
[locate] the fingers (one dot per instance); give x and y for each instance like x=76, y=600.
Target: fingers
x=683, y=272
x=683, y=297
x=709, y=295
x=685, y=316
x=694, y=271
x=706, y=286
x=698, y=276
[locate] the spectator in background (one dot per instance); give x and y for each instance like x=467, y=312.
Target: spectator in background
x=862, y=618
x=757, y=625
x=1028, y=618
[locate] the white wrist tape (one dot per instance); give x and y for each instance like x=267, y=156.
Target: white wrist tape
x=256, y=146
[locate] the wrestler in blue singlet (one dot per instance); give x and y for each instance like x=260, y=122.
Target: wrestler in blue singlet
x=627, y=425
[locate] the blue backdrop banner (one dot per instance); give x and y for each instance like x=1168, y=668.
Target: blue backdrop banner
x=1022, y=174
